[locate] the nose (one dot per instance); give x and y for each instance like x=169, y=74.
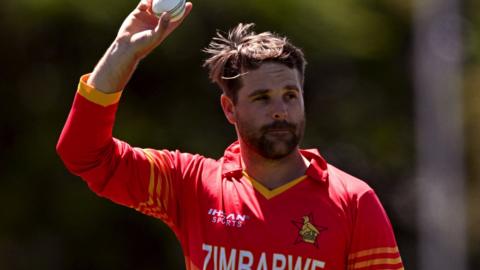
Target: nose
x=279, y=111
x=280, y=115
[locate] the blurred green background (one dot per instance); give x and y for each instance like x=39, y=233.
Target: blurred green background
x=360, y=114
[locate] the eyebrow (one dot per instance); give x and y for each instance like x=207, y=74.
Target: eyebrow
x=264, y=91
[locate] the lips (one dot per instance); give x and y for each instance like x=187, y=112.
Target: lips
x=279, y=127
x=279, y=131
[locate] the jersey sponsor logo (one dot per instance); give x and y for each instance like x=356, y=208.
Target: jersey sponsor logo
x=308, y=232
x=222, y=258
x=227, y=219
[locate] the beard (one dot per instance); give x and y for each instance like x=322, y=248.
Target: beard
x=273, y=141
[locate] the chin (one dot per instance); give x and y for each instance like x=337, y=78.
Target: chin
x=278, y=152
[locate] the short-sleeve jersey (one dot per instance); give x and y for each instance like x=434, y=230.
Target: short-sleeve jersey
x=222, y=217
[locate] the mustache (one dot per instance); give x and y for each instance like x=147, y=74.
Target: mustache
x=279, y=125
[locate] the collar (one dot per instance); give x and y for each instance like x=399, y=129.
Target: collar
x=232, y=163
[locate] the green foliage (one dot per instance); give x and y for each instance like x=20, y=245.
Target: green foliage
x=358, y=97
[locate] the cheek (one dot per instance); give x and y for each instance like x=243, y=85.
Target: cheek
x=246, y=119
x=250, y=113
x=297, y=111
x=249, y=121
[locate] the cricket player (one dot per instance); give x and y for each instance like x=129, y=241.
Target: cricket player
x=266, y=204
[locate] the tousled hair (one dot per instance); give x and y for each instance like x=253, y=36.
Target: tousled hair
x=241, y=50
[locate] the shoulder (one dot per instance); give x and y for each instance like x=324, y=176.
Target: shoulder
x=356, y=197
x=347, y=186
x=185, y=163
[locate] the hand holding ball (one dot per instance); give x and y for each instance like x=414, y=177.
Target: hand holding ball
x=175, y=8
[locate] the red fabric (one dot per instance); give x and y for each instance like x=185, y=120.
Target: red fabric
x=330, y=220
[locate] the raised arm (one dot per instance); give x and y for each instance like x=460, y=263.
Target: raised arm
x=140, y=33
x=146, y=180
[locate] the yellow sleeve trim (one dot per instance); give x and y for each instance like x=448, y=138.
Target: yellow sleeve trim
x=361, y=259
x=373, y=262
x=159, y=186
x=374, y=251
x=95, y=95
x=151, y=184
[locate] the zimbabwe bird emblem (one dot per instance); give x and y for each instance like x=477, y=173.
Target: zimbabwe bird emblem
x=308, y=231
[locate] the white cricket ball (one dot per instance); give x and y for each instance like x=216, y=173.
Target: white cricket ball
x=176, y=8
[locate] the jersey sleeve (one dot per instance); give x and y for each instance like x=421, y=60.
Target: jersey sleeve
x=150, y=181
x=373, y=243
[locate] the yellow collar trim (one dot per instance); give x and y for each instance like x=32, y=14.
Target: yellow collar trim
x=270, y=193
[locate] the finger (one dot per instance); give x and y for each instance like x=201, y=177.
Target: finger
x=162, y=25
x=144, y=5
x=165, y=26
x=149, y=4
x=188, y=8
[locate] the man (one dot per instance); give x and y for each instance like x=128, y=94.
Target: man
x=266, y=204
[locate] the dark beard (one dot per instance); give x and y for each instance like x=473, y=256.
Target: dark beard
x=274, y=148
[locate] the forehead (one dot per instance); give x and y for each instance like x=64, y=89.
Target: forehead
x=270, y=75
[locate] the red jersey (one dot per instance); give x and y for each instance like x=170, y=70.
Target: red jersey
x=222, y=217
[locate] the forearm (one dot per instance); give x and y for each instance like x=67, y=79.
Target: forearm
x=115, y=68
x=88, y=130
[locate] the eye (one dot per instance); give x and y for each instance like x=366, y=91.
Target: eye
x=261, y=98
x=291, y=95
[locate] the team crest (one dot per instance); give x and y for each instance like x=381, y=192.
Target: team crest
x=308, y=230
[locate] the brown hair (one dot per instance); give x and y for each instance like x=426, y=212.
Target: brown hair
x=241, y=50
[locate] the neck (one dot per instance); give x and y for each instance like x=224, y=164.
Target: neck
x=273, y=173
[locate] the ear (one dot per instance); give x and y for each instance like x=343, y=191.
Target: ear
x=228, y=109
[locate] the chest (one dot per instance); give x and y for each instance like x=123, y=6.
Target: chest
x=300, y=222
